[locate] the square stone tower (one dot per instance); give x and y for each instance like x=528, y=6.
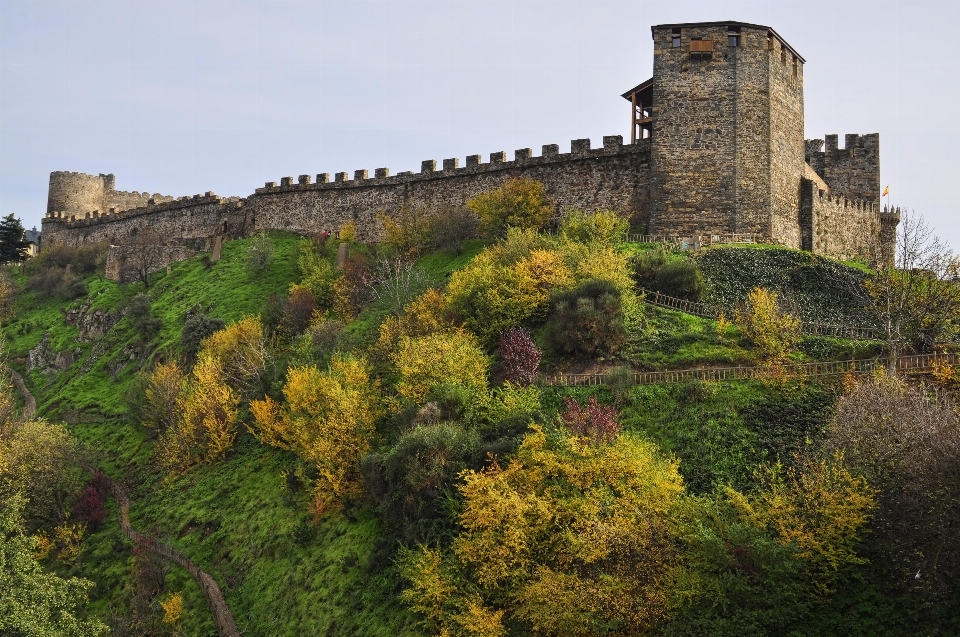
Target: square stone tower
x=727, y=131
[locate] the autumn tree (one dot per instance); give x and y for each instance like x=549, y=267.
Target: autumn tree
x=518, y=203
x=603, y=227
x=161, y=391
x=327, y=419
x=519, y=357
x=773, y=330
x=916, y=295
x=242, y=354
x=905, y=440
x=441, y=358
x=207, y=420
x=538, y=553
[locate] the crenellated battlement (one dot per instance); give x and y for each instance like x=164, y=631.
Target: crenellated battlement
x=854, y=170
x=474, y=165
x=853, y=205
x=151, y=207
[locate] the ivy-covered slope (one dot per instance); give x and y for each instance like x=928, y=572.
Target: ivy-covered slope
x=823, y=290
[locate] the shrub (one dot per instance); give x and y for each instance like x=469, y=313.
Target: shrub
x=539, y=553
x=90, y=507
x=603, y=226
x=595, y=422
x=316, y=272
x=161, y=391
x=518, y=203
x=452, y=226
x=495, y=293
x=196, y=328
x=519, y=357
x=298, y=310
x=426, y=362
x=207, y=418
x=140, y=312
x=408, y=231
x=328, y=421
x=659, y=271
x=774, y=331
x=415, y=479
x=241, y=352
x=259, y=251
x=587, y=321
x=348, y=232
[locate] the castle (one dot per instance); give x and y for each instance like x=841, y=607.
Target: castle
x=716, y=148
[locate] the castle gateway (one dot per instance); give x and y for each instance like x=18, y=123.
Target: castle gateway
x=716, y=148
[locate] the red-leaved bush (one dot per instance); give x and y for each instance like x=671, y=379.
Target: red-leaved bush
x=594, y=421
x=90, y=506
x=519, y=357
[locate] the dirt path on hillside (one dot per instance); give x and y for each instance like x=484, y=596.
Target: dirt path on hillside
x=222, y=617
x=29, y=402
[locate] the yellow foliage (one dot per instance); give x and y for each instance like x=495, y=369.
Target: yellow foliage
x=241, y=352
x=425, y=362
x=773, y=331
x=208, y=418
x=163, y=387
x=944, y=373
x=316, y=273
x=821, y=510
x=348, y=232
x=43, y=544
x=494, y=297
x=603, y=226
x=69, y=538
x=723, y=326
x=518, y=203
x=340, y=299
x=327, y=420
x=428, y=313
x=409, y=230
x=172, y=608
x=568, y=536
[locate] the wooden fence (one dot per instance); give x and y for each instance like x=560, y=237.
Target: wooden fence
x=913, y=363
x=697, y=240
x=222, y=617
x=705, y=310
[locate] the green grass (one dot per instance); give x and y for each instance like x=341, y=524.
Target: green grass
x=721, y=432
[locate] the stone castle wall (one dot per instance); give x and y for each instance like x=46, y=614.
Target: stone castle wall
x=852, y=171
x=839, y=227
x=614, y=177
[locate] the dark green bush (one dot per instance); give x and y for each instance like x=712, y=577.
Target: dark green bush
x=139, y=311
x=660, y=271
x=587, y=321
x=414, y=481
x=196, y=328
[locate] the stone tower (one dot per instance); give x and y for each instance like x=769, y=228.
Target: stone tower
x=77, y=194
x=727, y=131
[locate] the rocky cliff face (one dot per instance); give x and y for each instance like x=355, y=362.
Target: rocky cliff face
x=48, y=361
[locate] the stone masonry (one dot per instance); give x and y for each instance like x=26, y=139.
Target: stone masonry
x=724, y=154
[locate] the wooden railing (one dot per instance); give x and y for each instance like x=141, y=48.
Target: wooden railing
x=913, y=363
x=699, y=240
x=222, y=617
x=706, y=310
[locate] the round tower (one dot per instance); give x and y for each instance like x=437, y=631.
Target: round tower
x=77, y=193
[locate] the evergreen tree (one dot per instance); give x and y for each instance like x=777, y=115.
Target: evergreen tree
x=12, y=244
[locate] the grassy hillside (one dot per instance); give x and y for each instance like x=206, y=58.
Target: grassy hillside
x=246, y=519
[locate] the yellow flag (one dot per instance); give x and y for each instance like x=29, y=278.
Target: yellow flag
x=886, y=191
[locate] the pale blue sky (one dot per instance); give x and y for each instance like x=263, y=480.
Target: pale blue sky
x=184, y=97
